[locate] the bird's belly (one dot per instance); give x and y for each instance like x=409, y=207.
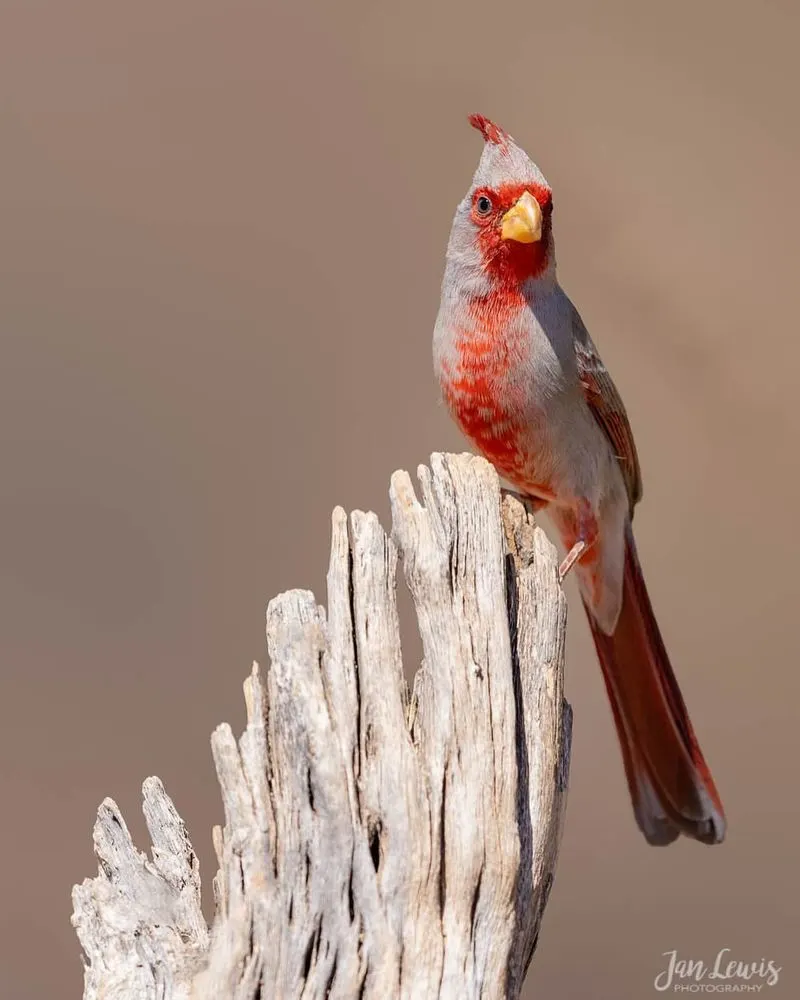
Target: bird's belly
x=511, y=434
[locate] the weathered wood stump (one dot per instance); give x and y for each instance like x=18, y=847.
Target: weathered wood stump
x=377, y=843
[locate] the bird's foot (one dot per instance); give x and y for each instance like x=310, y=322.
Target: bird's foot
x=532, y=504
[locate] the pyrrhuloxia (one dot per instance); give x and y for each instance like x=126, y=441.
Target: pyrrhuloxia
x=524, y=382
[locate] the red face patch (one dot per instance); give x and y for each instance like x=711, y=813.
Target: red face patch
x=508, y=261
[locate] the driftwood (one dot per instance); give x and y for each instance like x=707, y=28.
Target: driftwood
x=377, y=843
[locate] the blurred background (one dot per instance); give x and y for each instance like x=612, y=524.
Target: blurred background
x=222, y=237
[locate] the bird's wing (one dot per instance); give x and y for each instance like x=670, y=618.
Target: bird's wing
x=607, y=407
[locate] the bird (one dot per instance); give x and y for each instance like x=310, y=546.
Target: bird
x=525, y=384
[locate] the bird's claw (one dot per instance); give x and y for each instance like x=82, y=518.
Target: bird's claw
x=570, y=559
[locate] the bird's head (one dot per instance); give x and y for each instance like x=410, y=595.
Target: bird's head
x=502, y=229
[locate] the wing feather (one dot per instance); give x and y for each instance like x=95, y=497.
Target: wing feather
x=607, y=407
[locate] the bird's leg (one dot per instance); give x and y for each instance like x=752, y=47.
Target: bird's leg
x=583, y=532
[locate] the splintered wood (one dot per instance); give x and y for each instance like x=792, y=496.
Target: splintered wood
x=377, y=844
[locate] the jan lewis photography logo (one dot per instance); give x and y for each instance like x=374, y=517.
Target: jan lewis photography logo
x=723, y=974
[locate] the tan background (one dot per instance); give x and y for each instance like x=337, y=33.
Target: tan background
x=222, y=230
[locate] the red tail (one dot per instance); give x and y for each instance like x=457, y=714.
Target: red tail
x=670, y=784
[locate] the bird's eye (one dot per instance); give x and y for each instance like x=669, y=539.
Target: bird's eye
x=483, y=205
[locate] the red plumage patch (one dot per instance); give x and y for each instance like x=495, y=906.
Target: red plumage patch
x=509, y=262
x=486, y=351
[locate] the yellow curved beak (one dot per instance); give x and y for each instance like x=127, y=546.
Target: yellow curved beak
x=523, y=222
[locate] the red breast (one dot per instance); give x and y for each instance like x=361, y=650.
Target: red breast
x=483, y=400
